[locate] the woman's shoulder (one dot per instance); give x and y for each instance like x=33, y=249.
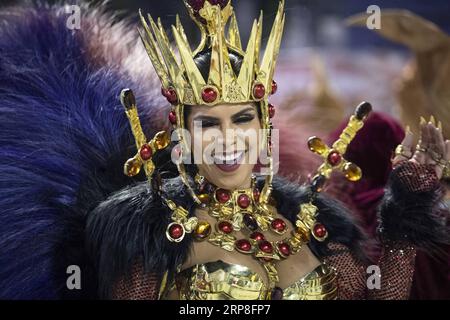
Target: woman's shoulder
x=124, y=208
x=134, y=205
x=130, y=227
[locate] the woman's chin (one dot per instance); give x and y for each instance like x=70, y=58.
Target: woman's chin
x=232, y=179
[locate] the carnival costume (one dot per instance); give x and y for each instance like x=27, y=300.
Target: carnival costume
x=138, y=235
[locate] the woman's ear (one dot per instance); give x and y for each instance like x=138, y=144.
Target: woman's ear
x=405, y=27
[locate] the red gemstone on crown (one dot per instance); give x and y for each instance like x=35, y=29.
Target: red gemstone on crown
x=243, y=201
x=284, y=249
x=173, y=117
x=278, y=225
x=225, y=227
x=209, y=95
x=145, y=152
x=171, y=95
x=274, y=87
x=259, y=91
x=222, y=195
x=319, y=230
x=265, y=246
x=258, y=236
x=271, y=110
x=176, y=231
x=243, y=245
x=334, y=158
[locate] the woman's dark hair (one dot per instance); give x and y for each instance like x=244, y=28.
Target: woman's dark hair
x=203, y=61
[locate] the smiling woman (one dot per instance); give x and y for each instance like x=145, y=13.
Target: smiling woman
x=223, y=134
x=212, y=229
x=233, y=234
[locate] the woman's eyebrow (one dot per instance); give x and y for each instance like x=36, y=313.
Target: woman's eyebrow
x=237, y=114
x=203, y=118
x=210, y=118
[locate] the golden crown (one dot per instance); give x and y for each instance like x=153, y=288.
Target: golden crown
x=183, y=83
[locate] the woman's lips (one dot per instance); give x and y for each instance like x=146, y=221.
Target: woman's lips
x=230, y=162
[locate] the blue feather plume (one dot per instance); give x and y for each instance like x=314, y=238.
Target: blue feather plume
x=63, y=140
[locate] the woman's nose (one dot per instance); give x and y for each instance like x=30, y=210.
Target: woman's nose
x=226, y=142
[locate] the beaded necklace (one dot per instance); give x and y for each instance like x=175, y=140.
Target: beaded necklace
x=240, y=210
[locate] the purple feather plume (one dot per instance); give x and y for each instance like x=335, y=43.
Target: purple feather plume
x=63, y=139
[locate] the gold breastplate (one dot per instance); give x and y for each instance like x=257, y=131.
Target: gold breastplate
x=222, y=281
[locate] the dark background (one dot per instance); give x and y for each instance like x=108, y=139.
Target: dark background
x=315, y=23
x=358, y=63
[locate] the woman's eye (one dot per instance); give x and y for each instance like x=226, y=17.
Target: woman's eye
x=208, y=124
x=244, y=119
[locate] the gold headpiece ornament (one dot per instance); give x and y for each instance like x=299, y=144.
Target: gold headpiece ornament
x=183, y=82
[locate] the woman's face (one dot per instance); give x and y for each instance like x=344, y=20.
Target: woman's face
x=229, y=137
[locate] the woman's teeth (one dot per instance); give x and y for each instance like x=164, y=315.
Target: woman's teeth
x=228, y=158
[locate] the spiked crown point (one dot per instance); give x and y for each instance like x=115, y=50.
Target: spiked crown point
x=214, y=18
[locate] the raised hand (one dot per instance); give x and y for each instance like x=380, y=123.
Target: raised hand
x=431, y=148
